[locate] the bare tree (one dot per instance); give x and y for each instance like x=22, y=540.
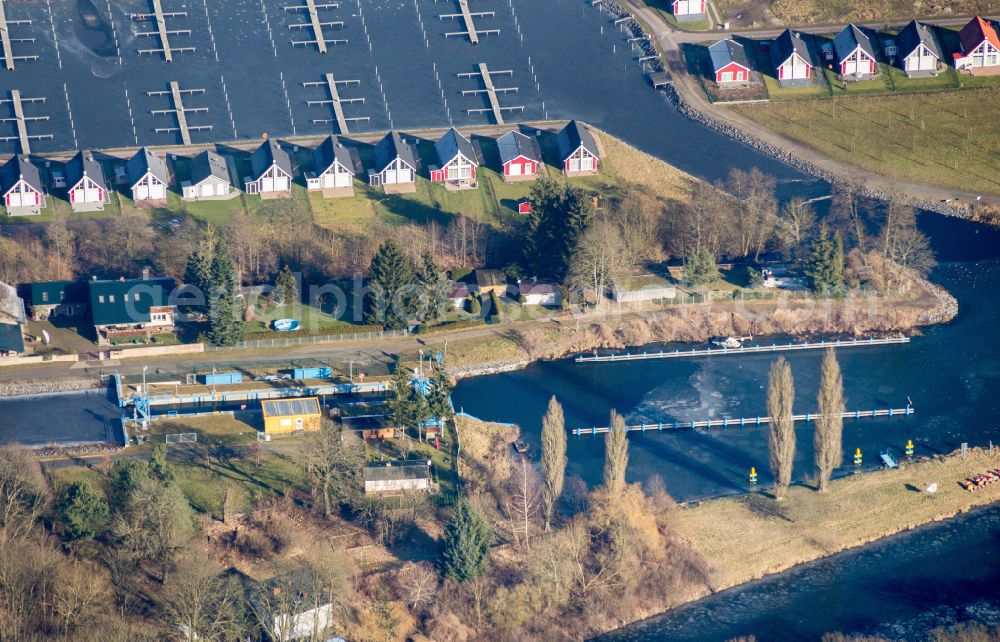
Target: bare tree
x=420, y=587
x=615, y=456
x=553, y=458
x=80, y=594
x=828, y=438
x=22, y=493
x=601, y=256
x=757, y=209
x=334, y=459
x=522, y=502
x=847, y=210
x=911, y=249
x=198, y=603
x=781, y=436
x=705, y=223
x=796, y=223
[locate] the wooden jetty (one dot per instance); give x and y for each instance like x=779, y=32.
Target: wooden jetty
x=711, y=352
x=336, y=101
x=21, y=121
x=311, y=7
x=7, y=43
x=660, y=79
x=162, y=32
x=742, y=422
x=179, y=111
x=467, y=17
x=491, y=91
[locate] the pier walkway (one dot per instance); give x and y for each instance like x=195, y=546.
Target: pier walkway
x=21, y=121
x=6, y=42
x=336, y=101
x=741, y=422
x=710, y=352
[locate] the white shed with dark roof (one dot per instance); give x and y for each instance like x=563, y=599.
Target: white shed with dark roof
x=335, y=166
x=147, y=174
x=271, y=168
x=855, y=52
x=210, y=179
x=919, y=50
x=21, y=187
x=790, y=53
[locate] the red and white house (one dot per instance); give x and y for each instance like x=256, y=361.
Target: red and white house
x=729, y=62
x=21, y=186
x=578, y=150
x=980, y=53
x=85, y=183
x=855, y=53
x=457, y=160
x=689, y=8
x=790, y=53
x=519, y=155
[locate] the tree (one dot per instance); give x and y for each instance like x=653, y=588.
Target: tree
x=795, y=224
x=122, y=481
x=700, y=268
x=436, y=289
x=391, y=296
x=399, y=401
x=286, y=288
x=159, y=469
x=156, y=526
x=199, y=265
x=467, y=540
x=420, y=409
x=825, y=266
x=781, y=430
x=553, y=458
x=828, y=438
x=522, y=501
x=559, y=215
x=757, y=208
x=22, y=493
x=198, y=603
x=475, y=307
x=615, y=456
x=912, y=249
x=82, y=511
x=438, y=397
x=225, y=323
x=335, y=460
x=600, y=257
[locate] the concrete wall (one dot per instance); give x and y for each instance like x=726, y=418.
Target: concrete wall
x=157, y=351
x=56, y=358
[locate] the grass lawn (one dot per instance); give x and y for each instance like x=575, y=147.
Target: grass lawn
x=665, y=9
x=310, y=318
x=877, y=85
x=215, y=428
x=749, y=536
x=945, y=138
x=467, y=352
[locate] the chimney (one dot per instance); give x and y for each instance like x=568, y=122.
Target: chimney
x=145, y=274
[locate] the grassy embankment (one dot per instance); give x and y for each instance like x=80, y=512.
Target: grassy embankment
x=741, y=13
x=749, y=536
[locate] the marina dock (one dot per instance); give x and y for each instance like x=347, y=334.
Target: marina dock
x=179, y=111
x=491, y=91
x=20, y=121
x=711, y=352
x=7, y=42
x=162, y=32
x=741, y=422
x=315, y=24
x=467, y=17
x=336, y=101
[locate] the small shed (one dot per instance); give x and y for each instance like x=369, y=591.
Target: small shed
x=524, y=206
x=490, y=281
x=730, y=63
x=398, y=476
x=519, y=155
x=395, y=163
x=335, y=167
x=21, y=186
x=646, y=287
x=791, y=57
x=85, y=183
x=210, y=179
x=283, y=416
x=148, y=177
x=539, y=293
x=578, y=149
x=457, y=161
x=271, y=168
x=855, y=53
x=11, y=339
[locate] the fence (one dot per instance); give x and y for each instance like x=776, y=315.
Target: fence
x=278, y=342
x=182, y=438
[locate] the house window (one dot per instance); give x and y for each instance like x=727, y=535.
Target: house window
x=100, y=299
x=45, y=297
x=111, y=298
x=125, y=298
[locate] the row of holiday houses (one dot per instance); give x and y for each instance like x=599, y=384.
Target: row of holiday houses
x=335, y=167
x=855, y=52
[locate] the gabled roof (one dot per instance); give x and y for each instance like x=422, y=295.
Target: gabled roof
x=208, y=164
x=56, y=292
x=488, y=278
x=390, y=148
x=788, y=43
x=915, y=34
x=514, y=144
x=268, y=154
x=84, y=164
x=331, y=150
x=11, y=305
x=145, y=162
x=726, y=52
x=398, y=470
x=290, y=407
x=11, y=338
x=974, y=33
x=459, y=291
x=451, y=145
x=15, y=169
x=849, y=39
x=132, y=299
x=573, y=136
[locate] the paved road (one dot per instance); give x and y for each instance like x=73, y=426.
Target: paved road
x=668, y=42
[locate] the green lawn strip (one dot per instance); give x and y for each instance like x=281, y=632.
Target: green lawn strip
x=310, y=318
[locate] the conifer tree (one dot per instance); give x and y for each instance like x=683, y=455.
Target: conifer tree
x=391, y=298
x=286, y=288
x=398, y=401
x=825, y=266
x=436, y=287
x=467, y=540
x=225, y=324
x=82, y=511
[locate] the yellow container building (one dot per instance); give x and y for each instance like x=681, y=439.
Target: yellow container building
x=291, y=415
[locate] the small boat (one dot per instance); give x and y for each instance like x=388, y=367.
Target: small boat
x=285, y=325
x=520, y=446
x=727, y=342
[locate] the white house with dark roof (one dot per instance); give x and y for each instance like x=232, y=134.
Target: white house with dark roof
x=791, y=57
x=335, y=167
x=395, y=165
x=578, y=150
x=210, y=179
x=689, y=9
x=855, y=53
x=519, y=155
x=458, y=161
x=21, y=187
x=271, y=168
x=148, y=177
x=980, y=45
x=535, y=292
x=85, y=184
x=919, y=51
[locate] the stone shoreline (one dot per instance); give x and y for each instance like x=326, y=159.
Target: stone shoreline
x=36, y=388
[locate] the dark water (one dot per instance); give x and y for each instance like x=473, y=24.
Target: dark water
x=897, y=588
x=65, y=418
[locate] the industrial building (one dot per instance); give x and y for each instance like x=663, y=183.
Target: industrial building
x=282, y=416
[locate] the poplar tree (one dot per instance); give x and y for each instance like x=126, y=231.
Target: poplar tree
x=615, y=456
x=553, y=458
x=828, y=438
x=467, y=540
x=781, y=437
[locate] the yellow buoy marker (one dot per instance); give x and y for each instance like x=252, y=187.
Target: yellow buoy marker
x=753, y=475
x=857, y=457
x=909, y=448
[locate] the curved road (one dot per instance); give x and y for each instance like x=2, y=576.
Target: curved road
x=668, y=42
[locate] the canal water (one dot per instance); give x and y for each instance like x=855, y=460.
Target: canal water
x=66, y=419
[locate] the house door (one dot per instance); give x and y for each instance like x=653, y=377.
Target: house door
x=727, y=76
x=850, y=67
x=91, y=194
x=515, y=169
x=404, y=176
x=141, y=192
x=207, y=189
x=267, y=184
x=390, y=177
